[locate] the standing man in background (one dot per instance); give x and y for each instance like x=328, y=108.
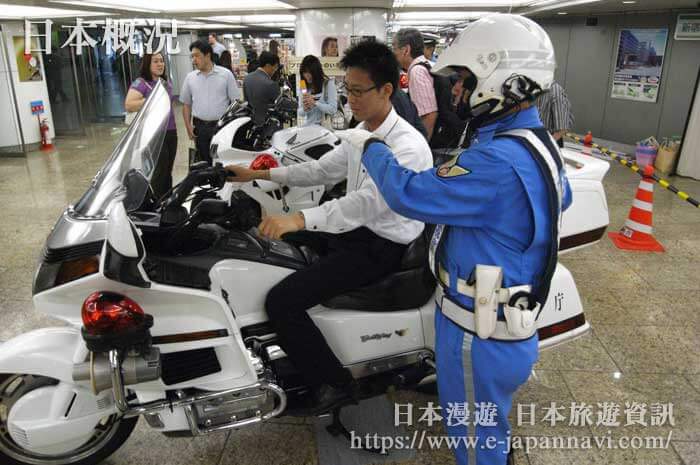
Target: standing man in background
x=206, y=93
x=217, y=47
x=408, y=48
x=274, y=47
x=258, y=87
x=555, y=112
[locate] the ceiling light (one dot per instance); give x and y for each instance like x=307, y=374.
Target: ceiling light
x=629, y=2
x=212, y=26
x=273, y=25
x=552, y=4
x=459, y=3
x=100, y=4
x=439, y=15
x=249, y=19
x=36, y=12
x=562, y=13
x=172, y=6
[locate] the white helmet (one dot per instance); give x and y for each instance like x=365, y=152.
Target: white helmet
x=511, y=57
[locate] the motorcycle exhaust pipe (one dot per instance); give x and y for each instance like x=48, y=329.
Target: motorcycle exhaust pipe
x=135, y=369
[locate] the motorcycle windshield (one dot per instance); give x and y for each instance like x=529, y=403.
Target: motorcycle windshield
x=127, y=173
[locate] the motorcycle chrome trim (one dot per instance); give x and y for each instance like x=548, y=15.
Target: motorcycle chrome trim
x=373, y=367
x=259, y=417
x=156, y=406
x=117, y=382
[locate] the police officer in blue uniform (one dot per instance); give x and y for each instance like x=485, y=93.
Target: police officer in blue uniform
x=497, y=207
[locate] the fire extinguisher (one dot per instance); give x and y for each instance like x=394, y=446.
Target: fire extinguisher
x=45, y=135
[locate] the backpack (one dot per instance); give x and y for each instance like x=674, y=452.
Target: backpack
x=448, y=127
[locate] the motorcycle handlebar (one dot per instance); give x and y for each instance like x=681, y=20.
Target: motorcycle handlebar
x=199, y=175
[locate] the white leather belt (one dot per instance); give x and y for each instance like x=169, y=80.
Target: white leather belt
x=504, y=294
x=464, y=318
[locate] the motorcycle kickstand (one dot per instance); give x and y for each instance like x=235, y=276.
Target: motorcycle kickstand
x=337, y=428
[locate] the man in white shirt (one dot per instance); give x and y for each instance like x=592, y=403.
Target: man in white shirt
x=206, y=93
x=217, y=47
x=359, y=238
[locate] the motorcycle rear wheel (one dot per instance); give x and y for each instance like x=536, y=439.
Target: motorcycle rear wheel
x=110, y=433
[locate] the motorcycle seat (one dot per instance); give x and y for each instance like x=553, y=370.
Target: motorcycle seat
x=409, y=288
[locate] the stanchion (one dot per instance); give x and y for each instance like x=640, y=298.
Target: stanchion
x=634, y=167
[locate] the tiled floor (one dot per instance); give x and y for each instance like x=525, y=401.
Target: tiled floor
x=644, y=309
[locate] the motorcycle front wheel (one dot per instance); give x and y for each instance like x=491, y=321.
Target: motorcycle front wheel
x=109, y=434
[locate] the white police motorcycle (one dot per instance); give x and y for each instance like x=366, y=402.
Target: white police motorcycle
x=240, y=141
x=166, y=319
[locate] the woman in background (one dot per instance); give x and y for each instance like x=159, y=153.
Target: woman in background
x=225, y=60
x=153, y=70
x=320, y=100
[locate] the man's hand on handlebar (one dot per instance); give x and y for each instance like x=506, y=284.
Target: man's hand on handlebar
x=240, y=173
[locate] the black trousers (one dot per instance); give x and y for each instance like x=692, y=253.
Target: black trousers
x=348, y=261
x=204, y=130
x=162, y=178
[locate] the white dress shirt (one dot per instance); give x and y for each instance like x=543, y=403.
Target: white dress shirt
x=209, y=94
x=363, y=205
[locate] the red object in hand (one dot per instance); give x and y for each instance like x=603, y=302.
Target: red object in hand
x=403, y=81
x=106, y=312
x=264, y=161
x=588, y=139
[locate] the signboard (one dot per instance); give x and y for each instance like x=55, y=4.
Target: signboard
x=37, y=107
x=331, y=66
x=688, y=27
x=639, y=64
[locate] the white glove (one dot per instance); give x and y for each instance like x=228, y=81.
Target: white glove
x=356, y=137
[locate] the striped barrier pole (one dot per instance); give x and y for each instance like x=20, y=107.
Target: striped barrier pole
x=640, y=171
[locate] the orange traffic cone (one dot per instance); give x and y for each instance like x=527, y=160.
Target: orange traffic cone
x=637, y=233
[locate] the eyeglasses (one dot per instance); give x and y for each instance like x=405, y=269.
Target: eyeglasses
x=355, y=92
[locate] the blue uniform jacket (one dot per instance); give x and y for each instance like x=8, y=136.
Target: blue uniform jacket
x=492, y=196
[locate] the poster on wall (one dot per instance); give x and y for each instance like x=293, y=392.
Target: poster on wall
x=639, y=64
x=330, y=45
x=331, y=66
x=28, y=65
